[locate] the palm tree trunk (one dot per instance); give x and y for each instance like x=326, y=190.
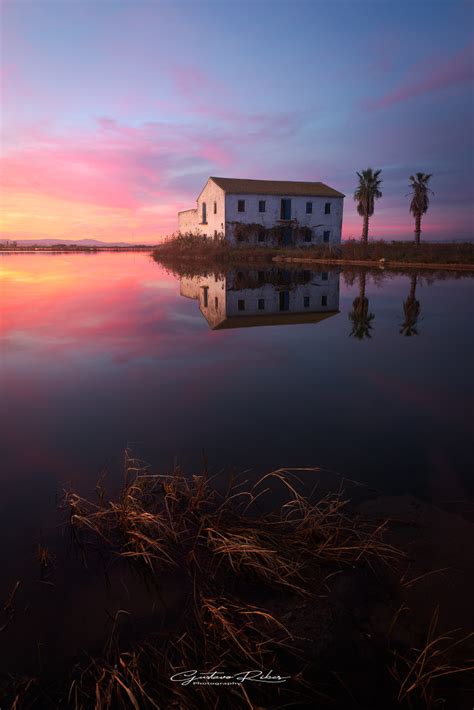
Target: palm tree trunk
x=365, y=229
x=362, y=277
x=412, y=294
x=417, y=229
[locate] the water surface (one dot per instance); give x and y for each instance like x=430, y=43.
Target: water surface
x=108, y=351
x=368, y=374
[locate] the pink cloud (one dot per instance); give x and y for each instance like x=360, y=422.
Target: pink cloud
x=135, y=177
x=113, y=165
x=456, y=71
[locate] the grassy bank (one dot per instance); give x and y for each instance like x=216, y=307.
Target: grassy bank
x=272, y=578
x=191, y=248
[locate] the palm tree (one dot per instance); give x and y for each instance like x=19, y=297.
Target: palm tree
x=367, y=192
x=420, y=200
x=411, y=310
x=360, y=317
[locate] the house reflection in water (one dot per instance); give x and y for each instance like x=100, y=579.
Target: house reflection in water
x=271, y=296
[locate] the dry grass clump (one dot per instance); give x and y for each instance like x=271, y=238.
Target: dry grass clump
x=8, y=611
x=221, y=540
x=256, y=552
x=418, y=670
x=219, y=636
x=168, y=521
x=116, y=683
x=248, y=557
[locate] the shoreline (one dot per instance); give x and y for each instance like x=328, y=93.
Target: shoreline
x=385, y=265
x=191, y=249
x=255, y=259
x=75, y=250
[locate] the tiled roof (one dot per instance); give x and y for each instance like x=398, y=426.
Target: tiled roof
x=275, y=187
x=272, y=319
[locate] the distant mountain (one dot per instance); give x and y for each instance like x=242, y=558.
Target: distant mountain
x=68, y=242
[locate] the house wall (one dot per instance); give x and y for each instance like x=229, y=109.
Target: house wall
x=321, y=284
x=215, y=222
x=189, y=286
x=318, y=221
x=219, y=296
x=191, y=220
x=210, y=293
x=188, y=221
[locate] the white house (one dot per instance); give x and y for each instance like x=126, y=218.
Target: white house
x=251, y=297
x=266, y=212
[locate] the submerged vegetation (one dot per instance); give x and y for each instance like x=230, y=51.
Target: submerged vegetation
x=258, y=567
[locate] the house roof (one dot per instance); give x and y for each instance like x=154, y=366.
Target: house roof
x=275, y=187
x=272, y=319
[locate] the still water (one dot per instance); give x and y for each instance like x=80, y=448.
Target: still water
x=251, y=369
x=368, y=374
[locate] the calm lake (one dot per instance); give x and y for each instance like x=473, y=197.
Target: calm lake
x=254, y=369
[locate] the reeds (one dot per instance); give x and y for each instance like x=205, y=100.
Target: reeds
x=8, y=609
x=229, y=553
x=160, y=521
x=419, y=669
x=179, y=250
x=221, y=540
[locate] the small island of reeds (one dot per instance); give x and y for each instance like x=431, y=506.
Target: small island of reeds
x=190, y=247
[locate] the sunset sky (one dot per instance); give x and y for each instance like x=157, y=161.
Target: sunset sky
x=116, y=111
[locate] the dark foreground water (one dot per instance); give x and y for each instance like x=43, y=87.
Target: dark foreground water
x=367, y=374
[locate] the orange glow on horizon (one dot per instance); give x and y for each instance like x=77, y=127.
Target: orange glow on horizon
x=33, y=215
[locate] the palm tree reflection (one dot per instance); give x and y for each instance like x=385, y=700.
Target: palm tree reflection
x=411, y=310
x=360, y=317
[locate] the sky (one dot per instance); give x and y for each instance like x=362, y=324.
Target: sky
x=115, y=112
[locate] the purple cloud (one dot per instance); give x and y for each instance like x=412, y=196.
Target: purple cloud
x=456, y=71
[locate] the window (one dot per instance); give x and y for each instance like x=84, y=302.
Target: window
x=324, y=275
x=241, y=205
x=306, y=301
x=241, y=304
x=215, y=207
x=261, y=304
x=261, y=235
x=327, y=208
x=324, y=300
x=326, y=236
x=309, y=208
x=261, y=276
x=261, y=206
x=204, y=213
x=206, y=294
x=307, y=235
x=285, y=209
x=216, y=303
